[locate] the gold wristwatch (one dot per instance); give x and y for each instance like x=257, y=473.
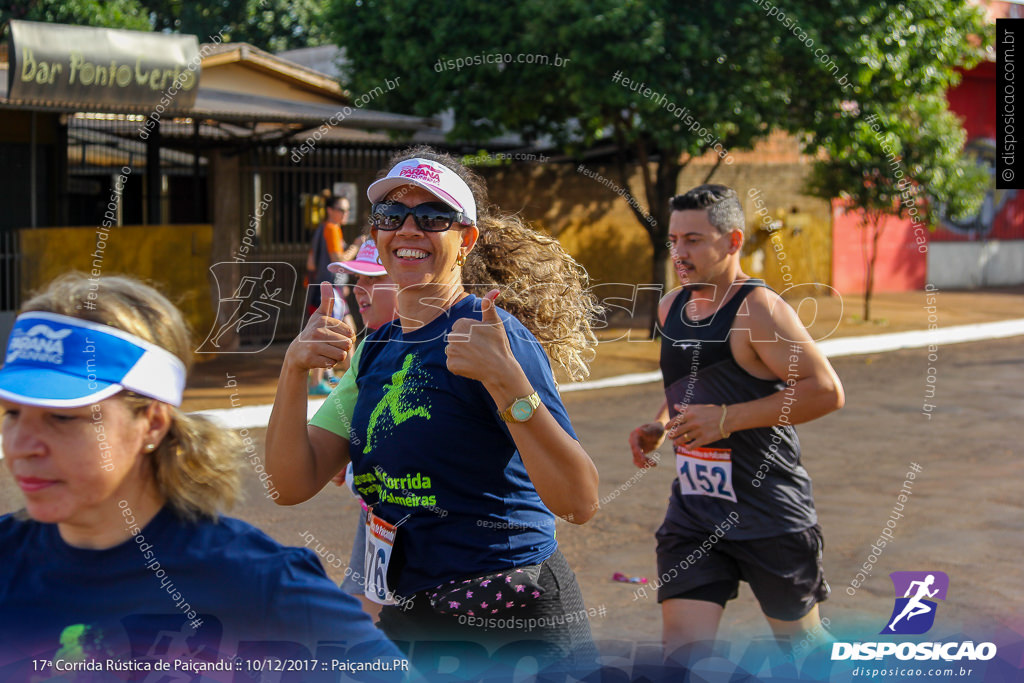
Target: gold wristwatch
x=522, y=409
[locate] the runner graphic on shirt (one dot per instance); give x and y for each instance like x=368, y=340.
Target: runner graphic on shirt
x=81, y=642
x=398, y=400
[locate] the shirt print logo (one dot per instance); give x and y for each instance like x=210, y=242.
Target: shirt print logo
x=40, y=343
x=399, y=401
x=422, y=172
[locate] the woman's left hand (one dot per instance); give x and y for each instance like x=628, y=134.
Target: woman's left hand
x=479, y=349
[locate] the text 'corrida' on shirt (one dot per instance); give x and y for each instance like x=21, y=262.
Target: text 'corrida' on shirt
x=428, y=447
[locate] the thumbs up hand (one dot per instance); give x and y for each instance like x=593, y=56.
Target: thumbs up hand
x=479, y=349
x=324, y=341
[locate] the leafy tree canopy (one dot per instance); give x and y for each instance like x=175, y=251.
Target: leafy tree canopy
x=700, y=73
x=108, y=13
x=272, y=25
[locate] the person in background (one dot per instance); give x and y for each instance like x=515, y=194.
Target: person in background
x=328, y=246
x=376, y=295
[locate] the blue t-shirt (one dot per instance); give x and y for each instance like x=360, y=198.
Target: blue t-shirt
x=428, y=448
x=199, y=591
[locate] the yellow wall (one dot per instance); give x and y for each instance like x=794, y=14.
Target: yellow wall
x=174, y=258
x=596, y=225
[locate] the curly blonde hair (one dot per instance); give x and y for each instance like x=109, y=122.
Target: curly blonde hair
x=196, y=466
x=541, y=284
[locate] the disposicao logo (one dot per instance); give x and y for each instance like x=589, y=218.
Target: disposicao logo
x=914, y=613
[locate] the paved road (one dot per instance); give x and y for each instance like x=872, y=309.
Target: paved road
x=963, y=517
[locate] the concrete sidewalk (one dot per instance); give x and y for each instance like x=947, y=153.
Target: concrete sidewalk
x=624, y=351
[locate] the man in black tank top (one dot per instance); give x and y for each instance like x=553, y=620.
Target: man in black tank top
x=739, y=371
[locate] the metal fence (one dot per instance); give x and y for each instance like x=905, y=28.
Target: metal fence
x=293, y=193
x=10, y=280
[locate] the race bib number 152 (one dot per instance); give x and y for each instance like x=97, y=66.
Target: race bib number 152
x=705, y=472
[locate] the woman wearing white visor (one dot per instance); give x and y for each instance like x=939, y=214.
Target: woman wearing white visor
x=119, y=554
x=459, y=440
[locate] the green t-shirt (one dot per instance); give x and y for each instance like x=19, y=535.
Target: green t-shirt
x=335, y=415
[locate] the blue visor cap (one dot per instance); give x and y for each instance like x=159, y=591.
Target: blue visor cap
x=59, y=361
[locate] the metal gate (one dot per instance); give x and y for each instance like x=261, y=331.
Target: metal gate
x=293, y=196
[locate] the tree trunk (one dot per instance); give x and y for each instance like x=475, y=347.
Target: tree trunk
x=875, y=225
x=664, y=188
x=652, y=293
x=658, y=190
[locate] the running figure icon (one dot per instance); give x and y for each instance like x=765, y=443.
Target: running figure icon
x=917, y=594
x=915, y=606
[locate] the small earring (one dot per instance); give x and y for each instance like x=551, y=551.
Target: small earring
x=150, y=446
x=461, y=261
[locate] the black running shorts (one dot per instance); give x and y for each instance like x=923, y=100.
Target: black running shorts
x=784, y=572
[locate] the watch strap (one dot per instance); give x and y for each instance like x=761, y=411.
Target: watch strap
x=507, y=416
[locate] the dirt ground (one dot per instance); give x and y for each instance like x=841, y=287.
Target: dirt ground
x=964, y=516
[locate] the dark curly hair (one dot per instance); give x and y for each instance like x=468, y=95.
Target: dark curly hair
x=541, y=284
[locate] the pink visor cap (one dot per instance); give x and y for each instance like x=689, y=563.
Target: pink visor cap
x=435, y=178
x=366, y=262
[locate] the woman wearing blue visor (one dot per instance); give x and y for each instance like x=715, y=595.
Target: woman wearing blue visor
x=119, y=561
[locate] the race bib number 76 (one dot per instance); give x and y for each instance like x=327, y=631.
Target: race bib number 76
x=380, y=541
x=705, y=472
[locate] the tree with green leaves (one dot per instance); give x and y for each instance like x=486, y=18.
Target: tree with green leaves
x=892, y=147
x=904, y=162
x=700, y=73
x=272, y=25
x=105, y=13
x=688, y=78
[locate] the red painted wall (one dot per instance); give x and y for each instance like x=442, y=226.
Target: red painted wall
x=901, y=266
x=974, y=100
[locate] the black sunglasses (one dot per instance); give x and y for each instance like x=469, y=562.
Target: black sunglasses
x=429, y=217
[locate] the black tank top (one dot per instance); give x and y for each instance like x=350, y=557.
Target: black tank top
x=760, y=467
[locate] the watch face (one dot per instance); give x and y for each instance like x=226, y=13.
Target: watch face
x=522, y=410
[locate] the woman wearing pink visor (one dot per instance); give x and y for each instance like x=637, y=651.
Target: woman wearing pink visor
x=119, y=558
x=376, y=296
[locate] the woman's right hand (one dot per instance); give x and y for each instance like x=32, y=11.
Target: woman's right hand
x=324, y=341
x=643, y=440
